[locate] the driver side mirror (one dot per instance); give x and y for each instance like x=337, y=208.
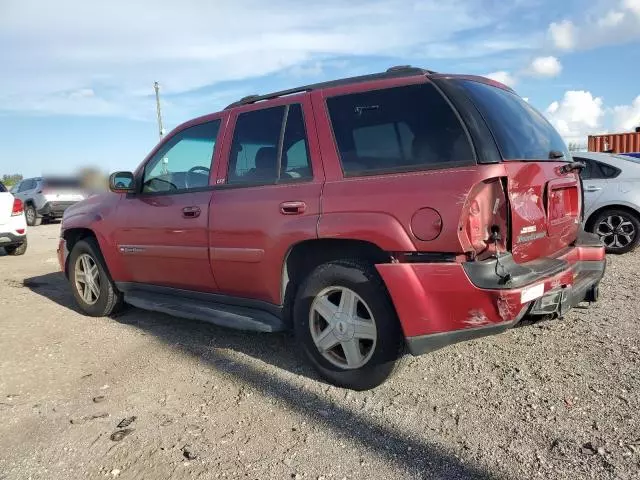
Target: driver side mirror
x=122, y=182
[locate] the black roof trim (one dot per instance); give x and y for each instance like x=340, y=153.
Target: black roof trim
x=393, y=72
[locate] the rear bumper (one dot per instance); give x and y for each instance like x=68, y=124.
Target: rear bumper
x=438, y=304
x=9, y=239
x=54, y=209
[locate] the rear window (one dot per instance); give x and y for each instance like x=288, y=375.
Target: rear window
x=2, y=187
x=521, y=132
x=401, y=128
x=61, y=183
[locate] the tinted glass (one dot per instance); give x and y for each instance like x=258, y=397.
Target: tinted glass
x=402, y=128
x=608, y=171
x=255, y=152
x=61, y=183
x=184, y=162
x=2, y=187
x=521, y=132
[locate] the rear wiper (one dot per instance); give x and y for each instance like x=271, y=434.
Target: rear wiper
x=570, y=167
x=555, y=154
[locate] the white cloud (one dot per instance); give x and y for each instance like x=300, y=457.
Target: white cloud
x=633, y=6
x=599, y=27
x=502, y=77
x=577, y=115
x=118, y=48
x=545, y=67
x=611, y=19
x=626, y=118
x=563, y=34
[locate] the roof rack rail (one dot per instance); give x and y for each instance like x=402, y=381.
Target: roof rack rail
x=392, y=72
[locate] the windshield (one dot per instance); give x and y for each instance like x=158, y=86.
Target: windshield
x=520, y=131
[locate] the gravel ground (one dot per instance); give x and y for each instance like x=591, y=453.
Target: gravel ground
x=556, y=399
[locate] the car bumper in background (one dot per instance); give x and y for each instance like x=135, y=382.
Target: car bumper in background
x=438, y=304
x=9, y=239
x=54, y=209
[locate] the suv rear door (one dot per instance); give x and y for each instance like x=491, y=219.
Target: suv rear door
x=545, y=201
x=267, y=196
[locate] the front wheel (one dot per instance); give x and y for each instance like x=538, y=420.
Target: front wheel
x=347, y=326
x=619, y=230
x=92, y=287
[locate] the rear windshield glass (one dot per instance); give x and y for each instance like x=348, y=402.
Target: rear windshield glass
x=401, y=128
x=2, y=187
x=62, y=183
x=521, y=132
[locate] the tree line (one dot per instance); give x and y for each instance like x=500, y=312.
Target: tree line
x=11, y=179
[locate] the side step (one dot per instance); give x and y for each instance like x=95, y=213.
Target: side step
x=230, y=316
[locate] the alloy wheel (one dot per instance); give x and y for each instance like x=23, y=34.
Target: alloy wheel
x=87, y=278
x=343, y=328
x=616, y=231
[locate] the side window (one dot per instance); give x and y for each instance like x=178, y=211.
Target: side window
x=184, y=162
x=587, y=171
x=258, y=157
x=608, y=171
x=402, y=128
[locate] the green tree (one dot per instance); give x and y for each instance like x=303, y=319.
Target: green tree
x=11, y=179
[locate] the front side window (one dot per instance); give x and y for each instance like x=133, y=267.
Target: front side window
x=184, y=162
x=263, y=153
x=401, y=128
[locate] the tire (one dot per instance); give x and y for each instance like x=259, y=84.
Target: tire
x=108, y=300
x=31, y=215
x=16, y=250
x=618, y=229
x=379, y=354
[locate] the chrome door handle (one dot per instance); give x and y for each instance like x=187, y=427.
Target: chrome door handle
x=292, y=208
x=592, y=188
x=191, y=212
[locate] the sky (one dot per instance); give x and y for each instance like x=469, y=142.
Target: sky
x=76, y=76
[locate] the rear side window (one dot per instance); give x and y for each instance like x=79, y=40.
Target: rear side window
x=595, y=170
x=2, y=187
x=270, y=146
x=520, y=131
x=395, y=129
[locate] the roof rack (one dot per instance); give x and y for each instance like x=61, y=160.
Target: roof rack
x=398, y=71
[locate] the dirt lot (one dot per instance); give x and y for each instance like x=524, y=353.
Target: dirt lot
x=554, y=400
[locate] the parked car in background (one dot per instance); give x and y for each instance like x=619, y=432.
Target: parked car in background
x=406, y=209
x=612, y=199
x=47, y=198
x=13, y=227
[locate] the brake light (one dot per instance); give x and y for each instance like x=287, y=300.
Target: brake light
x=484, y=229
x=18, y=208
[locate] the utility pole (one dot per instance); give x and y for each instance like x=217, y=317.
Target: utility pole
x=156, y=87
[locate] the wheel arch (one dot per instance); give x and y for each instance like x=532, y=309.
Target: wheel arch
x=72, y=236
x=588, y=225
x=303, y=257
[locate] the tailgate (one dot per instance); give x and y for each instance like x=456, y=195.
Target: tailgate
x=545, y=208
x=6, y=207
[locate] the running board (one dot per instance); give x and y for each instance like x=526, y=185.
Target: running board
x=230, y=316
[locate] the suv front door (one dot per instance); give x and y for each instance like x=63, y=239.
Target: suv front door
x=162, y=237
x=267, y=196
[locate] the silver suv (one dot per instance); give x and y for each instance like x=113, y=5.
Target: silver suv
x=47, y=198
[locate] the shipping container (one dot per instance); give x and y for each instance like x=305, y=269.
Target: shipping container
x=615, y=142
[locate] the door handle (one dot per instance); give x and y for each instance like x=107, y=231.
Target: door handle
x=292, y=208
x=592, y=188
x=191, y=212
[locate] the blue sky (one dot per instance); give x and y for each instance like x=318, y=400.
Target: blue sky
x=76, y=86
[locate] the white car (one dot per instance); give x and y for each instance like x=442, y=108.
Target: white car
x=13, y=226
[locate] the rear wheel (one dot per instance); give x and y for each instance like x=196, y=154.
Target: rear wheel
x=17, y=249
x=92, y=287
x=32, y=216
x=619, y=230
x=347, y=326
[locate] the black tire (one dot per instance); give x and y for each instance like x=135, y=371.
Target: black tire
x=109, y=300
x=361, y=278
x=625, y=243
x=16, y=250
x=31, y=215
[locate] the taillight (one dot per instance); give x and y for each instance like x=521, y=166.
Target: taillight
x=18, y=208
x=484, y=228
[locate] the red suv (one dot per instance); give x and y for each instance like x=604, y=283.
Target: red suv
x=402, y=210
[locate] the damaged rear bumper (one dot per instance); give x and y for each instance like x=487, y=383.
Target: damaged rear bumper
x=438, y=304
